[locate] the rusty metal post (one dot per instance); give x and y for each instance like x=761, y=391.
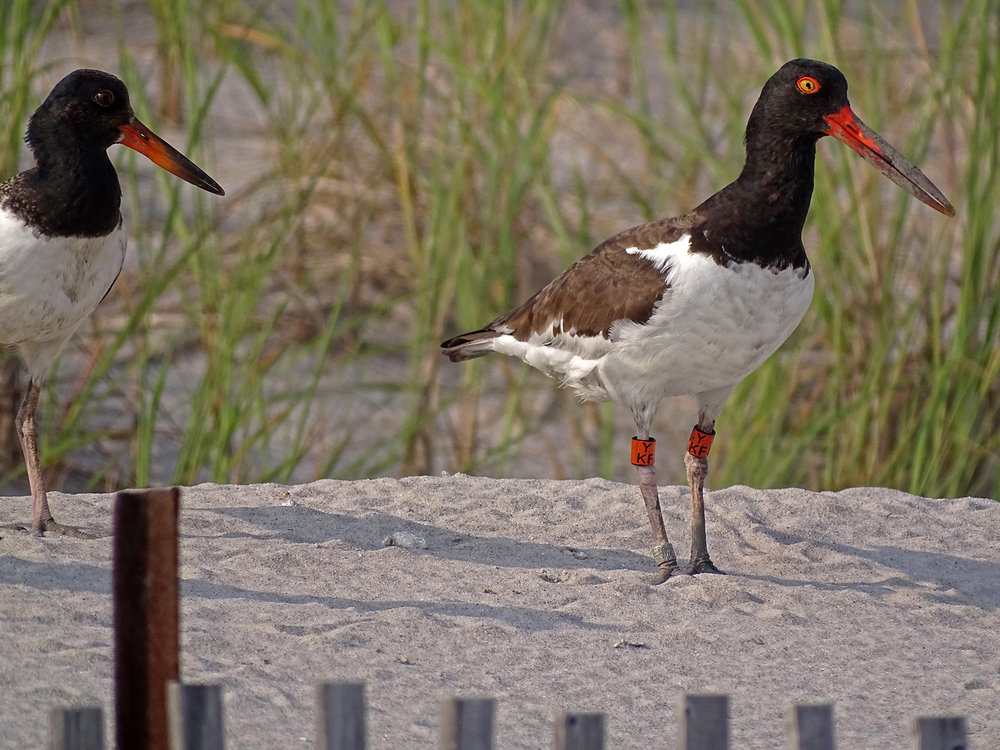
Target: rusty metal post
x=146, y=614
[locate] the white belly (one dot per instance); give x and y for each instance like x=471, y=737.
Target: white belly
x=712, y=328
x=48, y=287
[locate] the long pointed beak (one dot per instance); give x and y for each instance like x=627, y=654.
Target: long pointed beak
x=137, y=136
x=847, y=127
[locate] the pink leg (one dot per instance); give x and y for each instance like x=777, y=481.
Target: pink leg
x=696, y=463
x=645, y=470
x=27, y=432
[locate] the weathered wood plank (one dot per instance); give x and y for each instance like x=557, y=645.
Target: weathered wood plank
x=579, y=732
x=146, y=614
x=467, y=724
x=195, y=717
x=704, y=722
x=77, y=728
x=940, y=733
x=810, y=727
x=340, y=716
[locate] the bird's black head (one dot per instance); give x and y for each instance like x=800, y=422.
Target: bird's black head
x=807, y=99
x=87, y=112
x=796, y=100
x=86, y=109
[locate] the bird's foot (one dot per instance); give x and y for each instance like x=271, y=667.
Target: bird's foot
x=666, y=561
x=54, y=528
x=664, y=573
x=702, y=564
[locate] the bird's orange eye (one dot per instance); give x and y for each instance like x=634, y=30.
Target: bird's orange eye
x=807, y=85
x=104, y=98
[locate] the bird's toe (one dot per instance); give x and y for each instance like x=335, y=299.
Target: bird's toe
x=664, y=572
x=702, y=565
x=55, y=528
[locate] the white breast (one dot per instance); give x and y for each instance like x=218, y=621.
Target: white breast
x=712, y=328
x=49, y=286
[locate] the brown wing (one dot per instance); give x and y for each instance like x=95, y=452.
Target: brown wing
x=605, y=286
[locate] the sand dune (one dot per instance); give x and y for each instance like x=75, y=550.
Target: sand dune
x=531, y=592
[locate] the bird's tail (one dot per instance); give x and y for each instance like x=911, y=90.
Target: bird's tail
x=469, y=345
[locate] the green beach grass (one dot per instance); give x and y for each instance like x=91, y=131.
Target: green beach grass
x=400, y=172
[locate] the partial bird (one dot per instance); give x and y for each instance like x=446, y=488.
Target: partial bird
x=694, y=304
x=62, y=238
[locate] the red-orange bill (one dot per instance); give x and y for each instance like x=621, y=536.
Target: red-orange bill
x=137, y=136
x=847, y=127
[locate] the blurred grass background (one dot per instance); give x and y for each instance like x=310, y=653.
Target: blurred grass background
x=398, y=172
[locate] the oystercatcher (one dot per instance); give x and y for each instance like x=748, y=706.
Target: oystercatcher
x=693, y=304
x=62, y=239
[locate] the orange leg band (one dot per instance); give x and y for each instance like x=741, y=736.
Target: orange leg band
x=700, y=443
x=643, y=452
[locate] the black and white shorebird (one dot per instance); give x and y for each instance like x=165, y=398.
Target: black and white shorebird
x=693, y=304
x=62, y=239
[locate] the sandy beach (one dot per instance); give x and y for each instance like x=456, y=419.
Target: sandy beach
x=534, y=593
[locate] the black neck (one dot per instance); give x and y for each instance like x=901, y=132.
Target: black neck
x=759, y=217
x=72, y=194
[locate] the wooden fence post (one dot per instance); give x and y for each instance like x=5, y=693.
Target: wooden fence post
x=77, y=728
x=940, y=733
x=340, y=716
x=810, y=727
x=194, y=720
x=704, y=722
x=467, y=724
x=579, y=732
x=145, y=614
x=195, y=717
